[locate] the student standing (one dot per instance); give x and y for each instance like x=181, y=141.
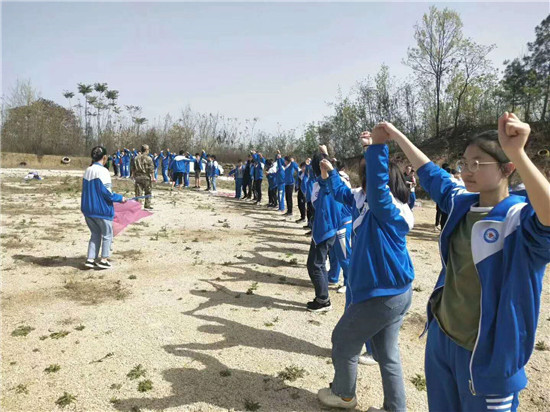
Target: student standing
x=97, y=206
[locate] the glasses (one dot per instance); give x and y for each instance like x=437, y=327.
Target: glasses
x=472, y=165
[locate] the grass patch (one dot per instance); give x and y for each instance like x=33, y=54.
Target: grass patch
x=291, y=373
x=132, y=277
x=293, y=261
x=419, y=382
x=65, y=400
x=88, y=293
x=22, y=388
x=541, y=345
x=80, y=328
x=52, y=368
x=60, y=334
x=252, y=288
x=22, y=330
x=225, y=373
x=251, y=405
x=145, y=385
x=418, y=289
x=137, y=372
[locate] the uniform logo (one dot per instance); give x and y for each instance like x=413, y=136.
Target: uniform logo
x=491, y=235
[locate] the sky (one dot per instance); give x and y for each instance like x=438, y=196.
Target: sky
x=280, y=62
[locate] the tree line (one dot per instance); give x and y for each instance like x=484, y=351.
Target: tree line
x=453, y=86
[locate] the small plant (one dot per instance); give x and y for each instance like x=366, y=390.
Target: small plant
x=252, y=288
x=116, y=386
x=225, y=373
x=419, y=382
x=65, y=400
x=293, y=261
x=314, y=322
x=114, y=400
x=226, y=225
x=132, y=277
x=43, y=337
x=80, y=327
x=59, y=335
x=52, y=368
x=145, y=385
x=22, y=330
x=541, y=345
x=21, y=388
x=137, y=372
x=269, y=324
x=418, y=289
x=251, y=405
x=291, y=373
x=110, y=354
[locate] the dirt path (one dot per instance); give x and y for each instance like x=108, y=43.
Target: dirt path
x=207, y=295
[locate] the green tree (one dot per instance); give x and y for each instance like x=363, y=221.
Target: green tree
x=85, y=90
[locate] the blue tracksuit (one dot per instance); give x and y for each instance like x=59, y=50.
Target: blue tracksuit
x=238, y=172
x=126, y=160
x=97, y=196
x=511, y=249
x=156, y=160
x=165, y=165
x=290, y=170
x=280, y=179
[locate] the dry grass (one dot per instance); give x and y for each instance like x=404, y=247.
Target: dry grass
x=12, y=160
x=89, y=293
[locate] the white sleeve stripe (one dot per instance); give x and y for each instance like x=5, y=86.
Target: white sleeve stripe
x=509, y=398
x=499, y=407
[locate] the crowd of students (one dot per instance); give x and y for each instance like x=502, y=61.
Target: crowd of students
x=494, y=246
x=176, y=169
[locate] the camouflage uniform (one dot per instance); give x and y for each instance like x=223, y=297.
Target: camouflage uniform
x=142, y=169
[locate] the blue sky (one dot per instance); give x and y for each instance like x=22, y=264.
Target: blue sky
x=280, y=62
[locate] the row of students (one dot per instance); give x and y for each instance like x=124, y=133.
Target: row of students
x=483, y=312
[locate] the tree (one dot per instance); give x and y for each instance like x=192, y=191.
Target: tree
x=472, y=65
x=438, y=40
x=85, y=90
x=139, y=121
x=100, y=88
x=540, y=60
x=513, y=82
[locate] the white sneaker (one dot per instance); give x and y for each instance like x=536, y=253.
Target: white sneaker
x=328, y=398
x=373, y=409
x=103, y=264
x=366, y=359
x=341, y=289
x=89, y=264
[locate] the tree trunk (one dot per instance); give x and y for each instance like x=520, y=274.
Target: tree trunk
x=457, y=112
x=545, y=104
x=437, y=93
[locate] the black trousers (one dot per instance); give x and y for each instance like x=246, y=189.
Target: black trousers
x=273, y=196
x=440, y=217
x=246, y=186
x=310, y=213
x=316, y=267
x=302, y=204
x=258, y=190
x=289, y=190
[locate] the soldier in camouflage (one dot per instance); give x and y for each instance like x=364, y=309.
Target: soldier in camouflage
x=143, y=172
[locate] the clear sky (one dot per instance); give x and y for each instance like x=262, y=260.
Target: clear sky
x=280, y=62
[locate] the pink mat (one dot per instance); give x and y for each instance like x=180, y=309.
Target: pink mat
x=126, y=214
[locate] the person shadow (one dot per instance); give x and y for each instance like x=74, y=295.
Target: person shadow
x=205, y=380
x=51, y=261
x=237, y=334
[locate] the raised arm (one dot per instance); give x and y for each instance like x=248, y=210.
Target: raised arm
x=336, y=186
x=513, y=134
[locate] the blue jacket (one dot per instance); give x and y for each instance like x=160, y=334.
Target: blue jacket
x=97, y=196
x=156, y=160
x=126, y=157
x=380, y=264
x=165, y=160
x=289, y=173
x=179, y=163
x=309, y=182
x=511, y=249
x=280, y=172
x=259, y=163
x=327, y=219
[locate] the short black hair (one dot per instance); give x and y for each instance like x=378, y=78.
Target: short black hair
x=239, y=161
x=182, y=152
x=302, y=164
x=340, y=165
x=98, y=152
x=287, y=158
x=197, y=154
x=398, y=185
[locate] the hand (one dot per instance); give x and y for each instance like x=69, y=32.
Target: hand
x=323, y=149
x=326, y=165
x=512, y=134
x=366, y=139
x=308, y=161
x=392, y=131
x=278, y=151
x=124, y=200
x=379, y=135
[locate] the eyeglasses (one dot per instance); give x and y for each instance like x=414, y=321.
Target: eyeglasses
x=472, y=165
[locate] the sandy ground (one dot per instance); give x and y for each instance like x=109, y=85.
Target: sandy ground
x=177, y=304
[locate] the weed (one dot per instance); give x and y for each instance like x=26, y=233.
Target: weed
x=291, y=373
x=137, y=372
x=418, y=289
x=22, y=388
x=293, y=261
x=252, y=288
x=225, y=373
x=52, y=368
x=22, y=330
x=109, y=355
x=132, y=277
x=251, y=405
x=116, y=386
x=419, y=382
x=43, y=337
x=145, y=385
x=65, y=400
x=80, y=327
x=541, y=345
x=114, y=400
x=59, y=335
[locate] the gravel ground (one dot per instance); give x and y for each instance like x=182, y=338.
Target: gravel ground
x=207, y=295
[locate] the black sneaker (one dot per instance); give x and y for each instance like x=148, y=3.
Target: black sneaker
x=89, y=264
x=308, y=233
x=315, y=306
x=103, y=264
x=148, y=207
x=306, y=227
x=301, y=220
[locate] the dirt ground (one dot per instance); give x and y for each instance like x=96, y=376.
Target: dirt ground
x=207, y=296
